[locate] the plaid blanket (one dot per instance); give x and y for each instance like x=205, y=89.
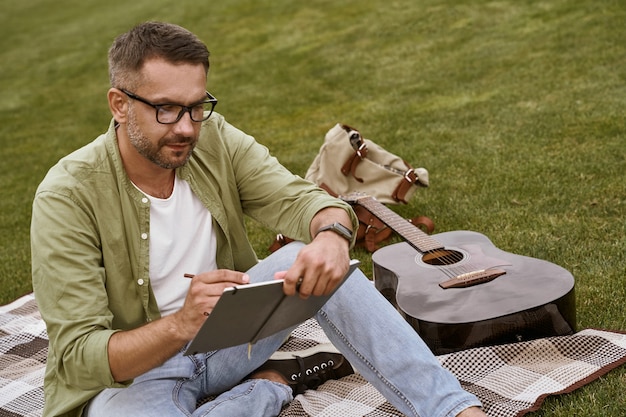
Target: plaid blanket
x=510, y=380
x=23, y=350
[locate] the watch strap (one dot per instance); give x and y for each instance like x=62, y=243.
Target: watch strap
x=338, y=228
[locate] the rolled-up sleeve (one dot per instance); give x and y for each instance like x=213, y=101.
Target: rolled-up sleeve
x=274, y=196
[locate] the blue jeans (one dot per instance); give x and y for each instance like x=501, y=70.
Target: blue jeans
x=357, y=319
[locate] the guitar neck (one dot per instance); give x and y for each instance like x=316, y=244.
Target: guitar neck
x=408, y=231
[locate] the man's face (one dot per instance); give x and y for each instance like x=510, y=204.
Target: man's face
x=169, y=152
x=166, y=145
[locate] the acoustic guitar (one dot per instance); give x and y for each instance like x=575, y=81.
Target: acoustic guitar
x=459, y=291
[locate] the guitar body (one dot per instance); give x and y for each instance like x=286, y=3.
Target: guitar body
x=530, y=299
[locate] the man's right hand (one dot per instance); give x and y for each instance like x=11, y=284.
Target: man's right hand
x=134, y=352
x=205, y=289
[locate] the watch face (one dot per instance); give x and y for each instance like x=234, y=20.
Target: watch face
x=343, y=230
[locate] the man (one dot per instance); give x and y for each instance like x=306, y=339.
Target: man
x=117, y=224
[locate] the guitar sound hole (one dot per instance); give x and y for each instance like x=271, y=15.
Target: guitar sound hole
x=442, y=257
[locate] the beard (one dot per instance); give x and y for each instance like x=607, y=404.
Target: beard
x=156, y=152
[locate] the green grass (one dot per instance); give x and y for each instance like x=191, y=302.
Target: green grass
x=515, y=107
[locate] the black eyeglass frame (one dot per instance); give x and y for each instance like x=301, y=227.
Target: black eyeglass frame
x=184, y=109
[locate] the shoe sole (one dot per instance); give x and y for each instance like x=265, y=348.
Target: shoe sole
x=322, y=347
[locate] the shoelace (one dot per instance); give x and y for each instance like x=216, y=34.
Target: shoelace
x=311, y=378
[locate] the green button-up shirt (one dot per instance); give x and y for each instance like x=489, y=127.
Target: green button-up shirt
x=90, y=244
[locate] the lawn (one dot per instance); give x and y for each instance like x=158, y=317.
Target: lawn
x=515, y=107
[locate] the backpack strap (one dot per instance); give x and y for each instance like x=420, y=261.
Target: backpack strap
x=405, y=184
x=360, y=152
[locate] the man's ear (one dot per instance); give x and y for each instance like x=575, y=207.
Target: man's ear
x=118, y=104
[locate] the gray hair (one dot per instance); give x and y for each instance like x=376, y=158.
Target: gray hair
x=149, y=40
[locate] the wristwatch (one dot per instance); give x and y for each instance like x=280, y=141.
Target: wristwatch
x=338, y=228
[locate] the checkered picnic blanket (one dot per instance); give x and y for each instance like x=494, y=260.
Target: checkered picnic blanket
x=510, y=380
x=23, y=351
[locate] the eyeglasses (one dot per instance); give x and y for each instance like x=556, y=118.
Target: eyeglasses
x=170, y=113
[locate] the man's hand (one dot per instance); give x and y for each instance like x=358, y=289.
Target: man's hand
x=204, y=291
x=134, y=352
x=321, y=265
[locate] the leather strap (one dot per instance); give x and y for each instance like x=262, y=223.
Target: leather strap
x=360, y=152
x=371, y=229
x=405, y=184
x=279, y=242
x=349, y=167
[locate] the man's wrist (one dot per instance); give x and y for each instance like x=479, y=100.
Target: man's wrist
x=337, y=228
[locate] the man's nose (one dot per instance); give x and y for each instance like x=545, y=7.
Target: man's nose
x=185, y=126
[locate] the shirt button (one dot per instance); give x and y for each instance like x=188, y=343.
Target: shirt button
x=140, y=281
x=144, y=236
x=144, y=200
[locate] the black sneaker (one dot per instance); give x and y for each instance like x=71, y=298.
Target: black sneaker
x=309, y=368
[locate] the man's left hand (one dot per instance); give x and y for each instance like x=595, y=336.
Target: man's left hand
x=319, y=267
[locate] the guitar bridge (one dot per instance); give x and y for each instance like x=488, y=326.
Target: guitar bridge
x=472, y=278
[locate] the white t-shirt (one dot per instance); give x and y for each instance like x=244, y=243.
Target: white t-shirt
x=182, y=241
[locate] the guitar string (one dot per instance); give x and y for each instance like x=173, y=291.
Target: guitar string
x=445, y=257
x=412, y=234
